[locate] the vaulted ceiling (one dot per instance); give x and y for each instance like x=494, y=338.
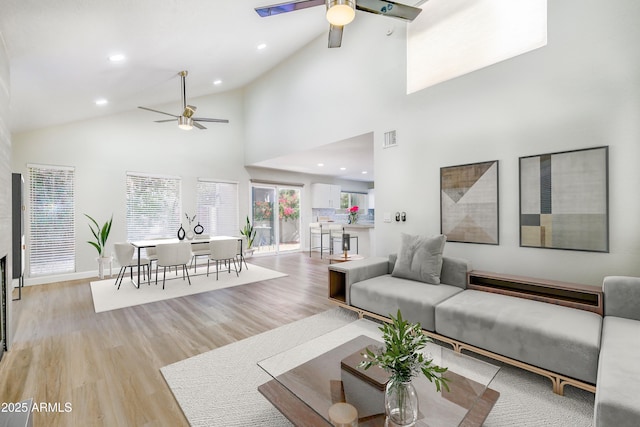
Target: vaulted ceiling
x=59, y=60
x=59, y=52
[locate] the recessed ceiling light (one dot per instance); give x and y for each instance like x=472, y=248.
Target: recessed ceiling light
x=101, y=101
x=343, y=169
x=117, y=57
x=262, y=46
x=364, y=172
x=321, y=164
x=217, y=82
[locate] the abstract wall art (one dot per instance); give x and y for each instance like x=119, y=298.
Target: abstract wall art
x=469, y=203
x=564, y=200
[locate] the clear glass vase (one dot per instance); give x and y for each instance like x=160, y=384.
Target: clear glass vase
x=401, y=404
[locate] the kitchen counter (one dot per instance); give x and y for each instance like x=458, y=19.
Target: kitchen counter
x=365, y=225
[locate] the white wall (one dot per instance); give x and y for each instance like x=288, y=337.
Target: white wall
x=103, y=150
x=5, y=179
x=581, y=90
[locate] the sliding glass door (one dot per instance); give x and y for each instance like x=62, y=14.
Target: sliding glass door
x=288, y=219
x=276, y=218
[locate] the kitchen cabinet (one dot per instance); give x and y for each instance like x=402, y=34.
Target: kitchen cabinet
x=325, y=196
x=371, y=199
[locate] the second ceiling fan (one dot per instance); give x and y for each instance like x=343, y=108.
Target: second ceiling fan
x=342, y=12
x=186, y=120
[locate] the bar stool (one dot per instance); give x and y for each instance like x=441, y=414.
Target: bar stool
x=316, y=230
x=336, y=232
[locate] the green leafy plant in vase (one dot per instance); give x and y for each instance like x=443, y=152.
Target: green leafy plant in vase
x=101, y=234
x=249, y=233
x=403, y=359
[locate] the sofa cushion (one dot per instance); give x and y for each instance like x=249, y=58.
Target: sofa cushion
x=560, y=339
x=420, y=258
x=454, y=271
x=622, y=296
x=618, y=387
x=384, y=295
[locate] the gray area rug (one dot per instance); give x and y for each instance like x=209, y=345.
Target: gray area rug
x=219, y=387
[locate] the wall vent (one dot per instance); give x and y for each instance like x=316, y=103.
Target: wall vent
x=390, y=139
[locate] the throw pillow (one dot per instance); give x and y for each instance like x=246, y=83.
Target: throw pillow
x=420, y=258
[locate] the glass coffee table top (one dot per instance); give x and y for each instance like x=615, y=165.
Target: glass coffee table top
x=320, y=380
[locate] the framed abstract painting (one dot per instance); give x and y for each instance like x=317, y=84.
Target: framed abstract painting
x=564, y=200
x=469, y=203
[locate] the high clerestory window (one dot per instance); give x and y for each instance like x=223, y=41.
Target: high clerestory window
x=52, y=234
x=454, y=37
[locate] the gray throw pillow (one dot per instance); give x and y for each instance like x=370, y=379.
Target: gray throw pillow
x=420, y=258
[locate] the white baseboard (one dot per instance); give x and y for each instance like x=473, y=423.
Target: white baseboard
x=32, y=281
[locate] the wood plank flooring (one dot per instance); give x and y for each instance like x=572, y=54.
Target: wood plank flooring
x=107, y=365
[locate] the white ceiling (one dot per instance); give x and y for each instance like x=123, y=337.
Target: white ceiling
x=58, y=53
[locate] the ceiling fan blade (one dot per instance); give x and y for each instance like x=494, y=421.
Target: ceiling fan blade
x=205, y=119
x=198, y=125
x=291, y=6
x=164, y=121
x=335, y=35
x=156, y=111
x=389, y=8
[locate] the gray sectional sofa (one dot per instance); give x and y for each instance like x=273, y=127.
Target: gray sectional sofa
x=618, y=384
x=568, y=345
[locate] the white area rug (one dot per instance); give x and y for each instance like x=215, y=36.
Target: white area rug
x=219, y=388
x=107, y=296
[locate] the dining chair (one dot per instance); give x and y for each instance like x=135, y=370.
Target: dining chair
x=124, y=255
x=199, y=250
x=173, y=255
x=223, y=250
x=151, y=255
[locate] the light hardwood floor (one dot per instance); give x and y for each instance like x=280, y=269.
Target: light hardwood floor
x=107, y=365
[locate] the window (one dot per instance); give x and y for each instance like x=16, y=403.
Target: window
x=154, y=206
x=217, y=207
x=52, y=220
x=353, y=199
x=449, y=39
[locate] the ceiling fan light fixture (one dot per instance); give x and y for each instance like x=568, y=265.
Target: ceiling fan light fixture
x=185, y=123
x=340, y=12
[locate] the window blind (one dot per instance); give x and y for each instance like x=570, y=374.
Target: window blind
x=154, y=206
x=52, y=220
x=217, y=207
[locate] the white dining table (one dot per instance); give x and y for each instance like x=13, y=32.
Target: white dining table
x=152, y=243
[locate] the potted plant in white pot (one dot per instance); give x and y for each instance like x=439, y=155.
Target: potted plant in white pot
x=403, y=359
x=101, y=234
x=249, y=234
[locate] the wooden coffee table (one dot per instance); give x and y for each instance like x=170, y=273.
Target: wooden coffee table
x=304, y=393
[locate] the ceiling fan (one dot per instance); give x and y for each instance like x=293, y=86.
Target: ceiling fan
x=342, y=12
x=186, y=121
